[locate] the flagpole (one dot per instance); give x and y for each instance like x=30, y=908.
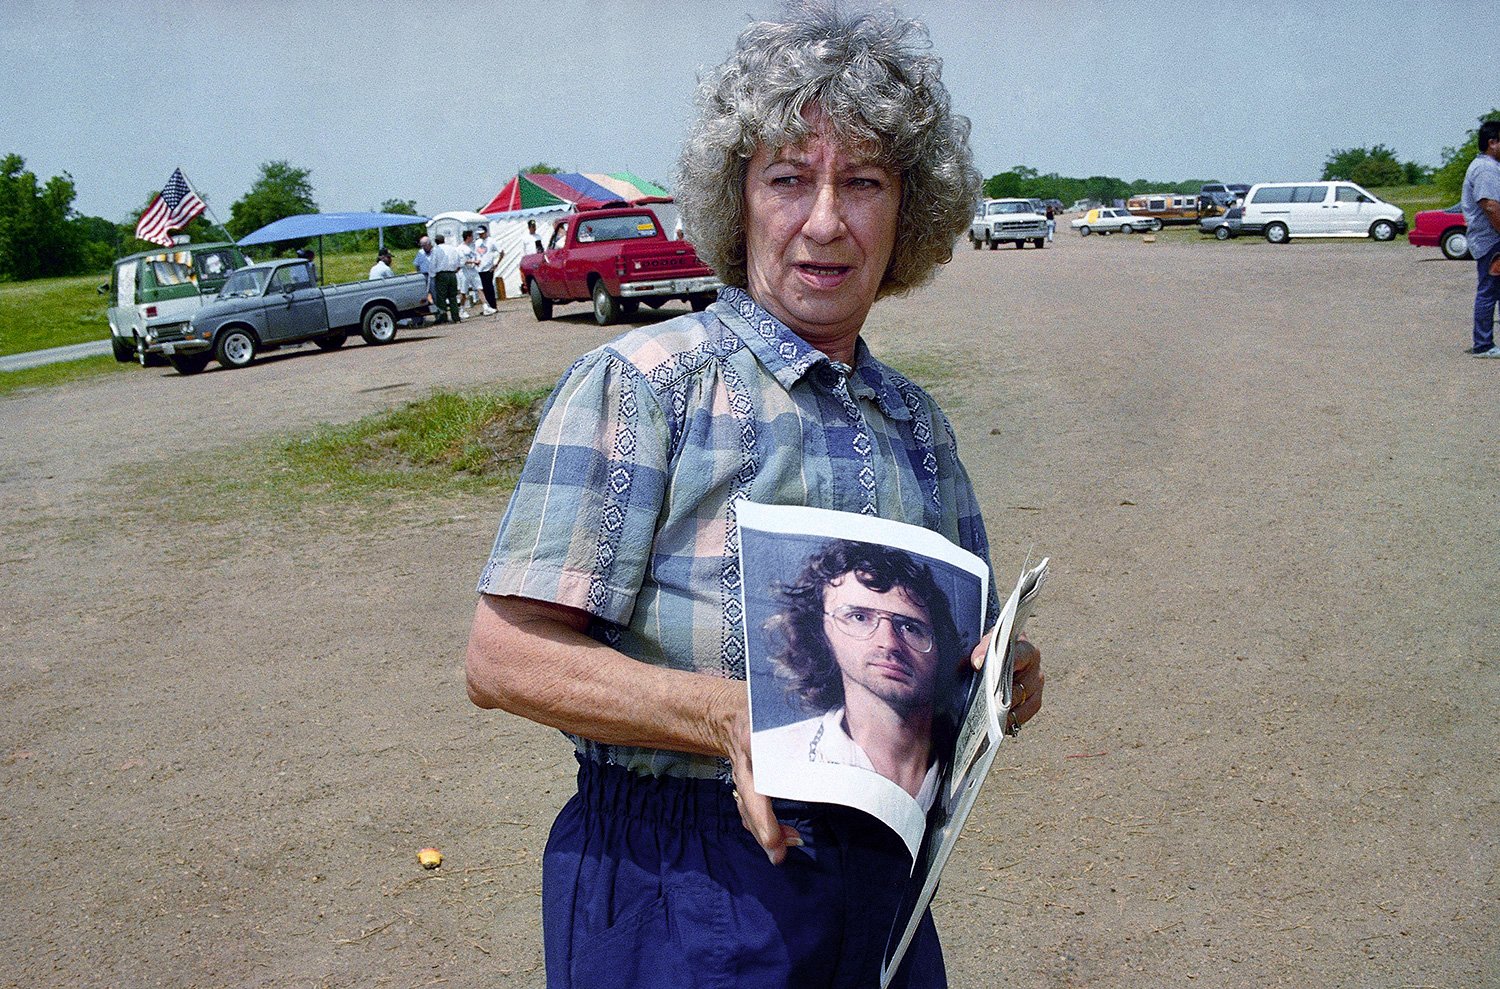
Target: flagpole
x=227, y=235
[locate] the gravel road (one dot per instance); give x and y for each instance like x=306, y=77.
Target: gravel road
x=1267, y=478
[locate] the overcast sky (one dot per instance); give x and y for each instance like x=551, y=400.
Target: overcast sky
x=442, y=102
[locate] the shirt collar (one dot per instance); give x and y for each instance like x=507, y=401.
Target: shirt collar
x=789, y=357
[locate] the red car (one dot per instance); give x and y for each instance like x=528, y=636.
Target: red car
x=1442, y=228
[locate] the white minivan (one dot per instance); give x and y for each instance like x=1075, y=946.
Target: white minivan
x=1282, y=210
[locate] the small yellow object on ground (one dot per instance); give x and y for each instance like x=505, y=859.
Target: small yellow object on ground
x=430, y=858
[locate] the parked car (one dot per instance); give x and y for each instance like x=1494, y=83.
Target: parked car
x=1283, y=210
x=1238, y=190
x=275, y=303
x=1225, y=226
x=1107, y=220
x=1216, y=194
x=1445, y=229
x=618, y=258
x=1014, y=220
x=153, y=294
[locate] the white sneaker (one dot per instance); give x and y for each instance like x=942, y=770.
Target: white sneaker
x=489, y=310
x=1492, y=352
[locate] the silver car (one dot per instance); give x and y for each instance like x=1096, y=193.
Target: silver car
x=1223, y=227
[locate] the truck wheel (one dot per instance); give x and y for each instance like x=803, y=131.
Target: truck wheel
x=235, y=348
x=974, y=240
x=1039, y=242
x=991, y=242
x=1276, y=233
x=143, y=356
x=190, y=363
x=606, y=308
x=378, y=326
x=701, y=302
x=1383, y=230
x=1021, y=245
x=629, y=306
x=332, y=341
x=1455, y=245
x=541, y=306
x=124, y=350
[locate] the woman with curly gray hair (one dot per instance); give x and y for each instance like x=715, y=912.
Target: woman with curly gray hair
x=826, y=170
x=867, y=80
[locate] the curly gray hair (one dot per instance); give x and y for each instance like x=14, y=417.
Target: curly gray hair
x=871, y=74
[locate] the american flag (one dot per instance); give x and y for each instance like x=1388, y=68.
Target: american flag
x=171, y=210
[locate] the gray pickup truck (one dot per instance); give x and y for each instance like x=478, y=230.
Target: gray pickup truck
x=276, y=303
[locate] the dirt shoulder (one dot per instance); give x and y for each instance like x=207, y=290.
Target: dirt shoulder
x=1267, y=478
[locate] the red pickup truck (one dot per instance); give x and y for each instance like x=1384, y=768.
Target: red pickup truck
x=618, y=258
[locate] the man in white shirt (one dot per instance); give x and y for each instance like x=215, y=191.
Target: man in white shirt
x=445, y=264
x=382, y=266
x=867, y=643
x=489, y=256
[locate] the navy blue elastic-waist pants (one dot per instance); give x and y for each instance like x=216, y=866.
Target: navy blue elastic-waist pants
x=654, y=884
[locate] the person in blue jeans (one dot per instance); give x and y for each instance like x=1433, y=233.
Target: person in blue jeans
x=1481, y=206
x=825, y=170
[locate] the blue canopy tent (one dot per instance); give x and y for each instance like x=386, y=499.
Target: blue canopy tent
x=308, y=225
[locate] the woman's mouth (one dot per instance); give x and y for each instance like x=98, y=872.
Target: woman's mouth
x=823, y=275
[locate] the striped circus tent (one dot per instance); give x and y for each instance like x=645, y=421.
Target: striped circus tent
x=585, y=190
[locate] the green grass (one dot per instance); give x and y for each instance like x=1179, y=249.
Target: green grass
x=51, y=312
x=61, y=373
x=1413, y=199
x=445, y=446
x=447, y=440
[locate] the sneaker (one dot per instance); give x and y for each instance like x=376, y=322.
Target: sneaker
x=1491, y=352
x=489, y=310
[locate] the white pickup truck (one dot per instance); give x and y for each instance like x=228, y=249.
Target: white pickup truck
x=1015, y=220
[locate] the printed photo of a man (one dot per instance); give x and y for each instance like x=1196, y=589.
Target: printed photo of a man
x=863, y=642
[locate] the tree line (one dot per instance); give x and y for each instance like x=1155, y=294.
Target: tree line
x=1371, y=166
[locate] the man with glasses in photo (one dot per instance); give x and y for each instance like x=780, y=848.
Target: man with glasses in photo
x=866, y=644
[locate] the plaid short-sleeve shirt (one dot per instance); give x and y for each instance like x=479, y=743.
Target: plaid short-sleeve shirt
x=624, y=508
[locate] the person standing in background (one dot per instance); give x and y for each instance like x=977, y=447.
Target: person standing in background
x=445, y=264
x=489, y=256
x=1481, y=206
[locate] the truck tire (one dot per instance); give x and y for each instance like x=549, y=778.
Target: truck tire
x=332, y=341
x=235, y=347
x=991, y=242
x=628, y=307
x=541, y=306
x=1039, y=242
x=606, y=307
x=378, y=326
x=143, y=356
x=1383, y=230
x=124, y=350
x=190, y=363
x=974, y=240
x=1020, y=245
x=1276, y=233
